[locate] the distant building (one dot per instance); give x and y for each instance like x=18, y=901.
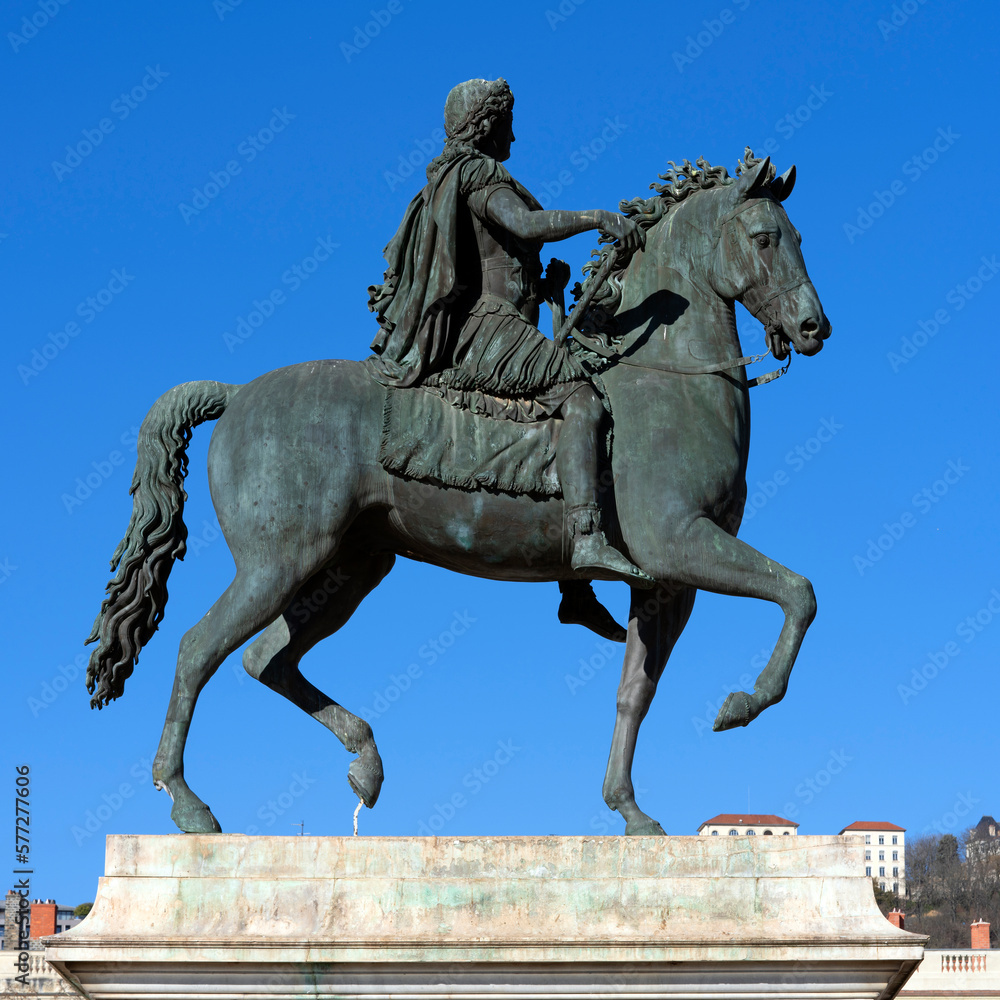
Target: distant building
x=984, y=838
x=747, y=825
x=883, y=857
x=47, y=917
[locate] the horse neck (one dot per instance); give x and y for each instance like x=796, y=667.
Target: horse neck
x=672, y=313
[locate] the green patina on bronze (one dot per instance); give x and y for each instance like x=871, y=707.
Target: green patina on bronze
x=305, y=503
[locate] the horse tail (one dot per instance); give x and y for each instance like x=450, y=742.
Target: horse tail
x=156, y=536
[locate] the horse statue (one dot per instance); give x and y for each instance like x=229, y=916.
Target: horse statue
x=300, y=493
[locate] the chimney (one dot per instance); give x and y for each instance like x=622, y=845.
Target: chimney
x=896, y=918
x=12, y=906
x=43, y=918
x=980, y=934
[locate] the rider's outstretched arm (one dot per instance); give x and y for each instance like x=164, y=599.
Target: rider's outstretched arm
x=508, y=210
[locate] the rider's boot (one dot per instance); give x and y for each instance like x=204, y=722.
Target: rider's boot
x=580, y=606
x=593, y=555
x=576, y=456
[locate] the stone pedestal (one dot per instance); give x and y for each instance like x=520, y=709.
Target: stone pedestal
x=686, y=917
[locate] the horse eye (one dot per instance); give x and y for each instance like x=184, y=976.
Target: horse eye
x=762, y=240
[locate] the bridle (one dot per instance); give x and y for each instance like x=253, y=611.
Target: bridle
x=759, y=307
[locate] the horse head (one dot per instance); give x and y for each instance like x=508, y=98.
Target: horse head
x=758, y=260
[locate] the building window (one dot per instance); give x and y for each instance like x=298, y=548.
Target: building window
x=868, y=838
x=785, y=834
x=895, y=887
x=881, y=839
x=751, y=833
x=768, y=833
x=734, y=833
x=881, y=855
x=895, y=873
x=868, y=855
x=868, y=870
x=895, y=855
x=895, y=839
x=715, y=833
x=881, y=871
x=881, y=885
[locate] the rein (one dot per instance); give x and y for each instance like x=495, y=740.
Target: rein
x=712, y=369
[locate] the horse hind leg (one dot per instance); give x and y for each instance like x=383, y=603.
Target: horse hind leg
x=656, y=621
x=249, y=602
x=274, y=658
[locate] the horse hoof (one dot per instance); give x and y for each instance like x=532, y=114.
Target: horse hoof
x=737, y=710
x=644, y=828
x=195, y=819
x=365, y=777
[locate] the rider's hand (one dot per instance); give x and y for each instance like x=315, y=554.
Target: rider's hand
x=557, y=276
x=629, y=236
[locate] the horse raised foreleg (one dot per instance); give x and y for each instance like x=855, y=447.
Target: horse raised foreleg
x=713, y=560
x=657, y=618
x=246, y=606
x=320, y=608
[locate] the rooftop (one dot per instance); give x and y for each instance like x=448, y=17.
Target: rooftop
x=747, y=819
x=863, y=825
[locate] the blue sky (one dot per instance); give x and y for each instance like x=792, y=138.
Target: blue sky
x=168, y=167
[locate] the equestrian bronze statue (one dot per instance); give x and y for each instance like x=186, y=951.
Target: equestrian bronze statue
x=615, y=450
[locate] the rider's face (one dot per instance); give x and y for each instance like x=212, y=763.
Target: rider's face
x=502, y=135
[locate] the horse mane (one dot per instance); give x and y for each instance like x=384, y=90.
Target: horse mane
x=680, y=181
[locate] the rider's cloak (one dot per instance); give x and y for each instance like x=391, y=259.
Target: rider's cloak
x=421, y=276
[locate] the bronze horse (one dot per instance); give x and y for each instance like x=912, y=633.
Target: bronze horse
x=300, y=493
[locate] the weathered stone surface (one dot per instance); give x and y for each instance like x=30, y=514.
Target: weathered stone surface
x=237, y=916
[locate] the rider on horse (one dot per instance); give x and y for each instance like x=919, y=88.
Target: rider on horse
x=459, y=307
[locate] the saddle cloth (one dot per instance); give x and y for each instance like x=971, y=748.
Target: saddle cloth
x=470, y=440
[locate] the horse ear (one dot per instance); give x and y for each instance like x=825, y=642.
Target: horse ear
x=753, y=179
x=781, y=187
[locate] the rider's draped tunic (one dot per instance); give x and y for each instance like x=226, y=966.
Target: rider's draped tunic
x=459, y=306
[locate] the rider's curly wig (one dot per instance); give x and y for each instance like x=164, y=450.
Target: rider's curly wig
x=470, y=112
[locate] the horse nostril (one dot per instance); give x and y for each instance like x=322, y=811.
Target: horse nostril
x=809, y=328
